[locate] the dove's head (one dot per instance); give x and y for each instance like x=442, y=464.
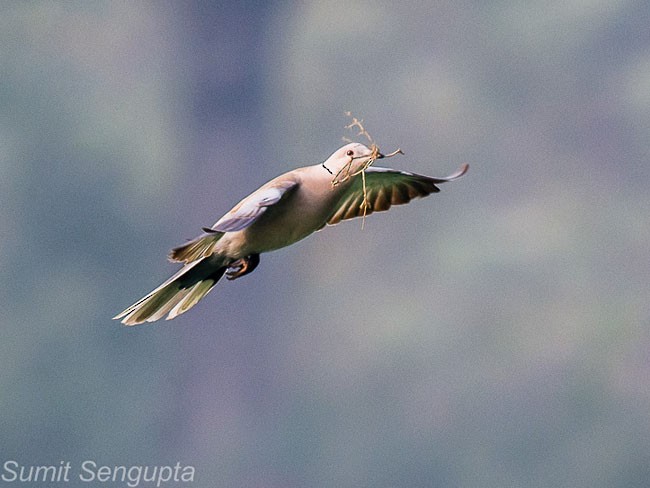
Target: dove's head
x=349, y=160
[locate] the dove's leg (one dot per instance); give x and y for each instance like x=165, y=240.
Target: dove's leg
x=242, y=266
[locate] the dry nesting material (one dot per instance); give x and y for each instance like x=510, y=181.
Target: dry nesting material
x=345, y=172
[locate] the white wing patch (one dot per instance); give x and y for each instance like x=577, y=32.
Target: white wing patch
x=253, y=206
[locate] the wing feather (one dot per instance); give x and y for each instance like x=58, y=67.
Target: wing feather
x=385, y=188
x=241, y=216
x=253, y=206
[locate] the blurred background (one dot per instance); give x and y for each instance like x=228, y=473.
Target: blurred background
x=496, y=334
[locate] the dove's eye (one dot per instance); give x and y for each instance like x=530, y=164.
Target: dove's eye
x=350, y=152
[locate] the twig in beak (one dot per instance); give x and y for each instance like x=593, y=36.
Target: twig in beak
x=359, y=125
x=374, y=155
x=394, y=153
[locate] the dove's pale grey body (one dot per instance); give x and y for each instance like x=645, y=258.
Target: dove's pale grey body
x=290, y=219
x=278, y=214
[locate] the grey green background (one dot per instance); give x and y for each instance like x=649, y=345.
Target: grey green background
x=493, y=335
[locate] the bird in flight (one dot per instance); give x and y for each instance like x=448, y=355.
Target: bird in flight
x=281, y=212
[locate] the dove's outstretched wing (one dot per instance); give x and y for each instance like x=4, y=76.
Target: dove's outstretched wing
x=384, y=188
x=241, y=216
x=254, y=205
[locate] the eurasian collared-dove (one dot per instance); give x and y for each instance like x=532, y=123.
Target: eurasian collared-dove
x=281, y=212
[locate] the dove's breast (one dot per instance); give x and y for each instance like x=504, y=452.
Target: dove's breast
x=299, y=214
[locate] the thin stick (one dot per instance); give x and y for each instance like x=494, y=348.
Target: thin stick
x=357, y=123
x=364, y=202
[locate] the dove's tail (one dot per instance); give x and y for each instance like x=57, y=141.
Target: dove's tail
x=178, y=294
x=197, y=248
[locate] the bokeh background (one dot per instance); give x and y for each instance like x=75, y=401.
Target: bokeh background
x=496, y=334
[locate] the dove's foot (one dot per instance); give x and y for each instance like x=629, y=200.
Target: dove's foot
x=242, y=266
